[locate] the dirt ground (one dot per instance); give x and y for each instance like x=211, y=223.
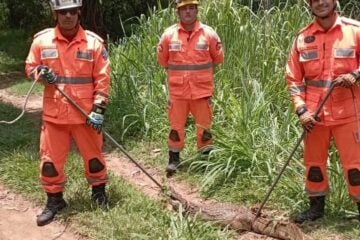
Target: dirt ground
x=16, y=211
x=17, y=221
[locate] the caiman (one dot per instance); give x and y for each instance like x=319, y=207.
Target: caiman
x=238, y=218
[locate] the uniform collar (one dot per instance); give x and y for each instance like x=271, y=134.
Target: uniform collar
x=80, y=35
x=317, y=28
x=196, y=28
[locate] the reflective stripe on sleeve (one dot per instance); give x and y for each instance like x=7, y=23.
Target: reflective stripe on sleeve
x=296, y=89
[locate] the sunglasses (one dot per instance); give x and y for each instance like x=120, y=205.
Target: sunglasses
x=72, y=11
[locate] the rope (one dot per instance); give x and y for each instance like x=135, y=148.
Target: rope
x=23, y=108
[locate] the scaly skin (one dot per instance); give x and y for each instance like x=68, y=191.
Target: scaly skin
x=238, y=218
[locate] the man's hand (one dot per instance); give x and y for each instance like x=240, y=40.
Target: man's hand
x=46, y=74
x=96, y=117
x=345, y=80
x=307, y=121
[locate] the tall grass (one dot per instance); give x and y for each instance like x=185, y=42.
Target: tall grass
x=254, y=125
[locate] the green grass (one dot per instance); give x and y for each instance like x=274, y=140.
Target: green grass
x=132, y=215
x=21, y=88
x=20, y=134
x=14, y=46
x=254, y=126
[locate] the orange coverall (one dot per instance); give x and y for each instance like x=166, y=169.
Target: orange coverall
x=316, y=59
x=83, y=71
x=190, y=58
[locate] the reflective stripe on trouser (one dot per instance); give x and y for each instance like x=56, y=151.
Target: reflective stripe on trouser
x=178, y=111
x=54, y=148
x=316, y=149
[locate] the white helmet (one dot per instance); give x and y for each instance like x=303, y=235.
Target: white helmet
x=64, y=4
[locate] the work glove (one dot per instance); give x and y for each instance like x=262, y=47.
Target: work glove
x=96, y=117
x=307, y=120
x=345, y=80
x=46, y=74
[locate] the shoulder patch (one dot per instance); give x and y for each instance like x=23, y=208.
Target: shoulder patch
x=43, y=32
x=350, y=21
x=105, y=54
x=94, y=35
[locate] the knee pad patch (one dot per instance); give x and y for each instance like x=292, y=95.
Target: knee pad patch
x=174, y=135
x=354, y=177
x=95, y=165
x=206, y=136
x=315, y=175
x=49, y=170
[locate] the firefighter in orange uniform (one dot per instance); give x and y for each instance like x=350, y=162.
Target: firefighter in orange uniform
x=327, y=52
x=189, y=51
x=76, y=61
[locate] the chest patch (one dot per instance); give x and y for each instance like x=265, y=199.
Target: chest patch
x=49, y=53
x=202, y=46
x=175, y=46
x=344, y=53
x=84, y=55
x=308, y=55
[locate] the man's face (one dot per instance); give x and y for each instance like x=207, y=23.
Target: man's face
x=322, y=8
x=188, y=13
x=67, y=18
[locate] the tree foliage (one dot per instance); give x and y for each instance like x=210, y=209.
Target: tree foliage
x=105, y=17
x=29, y=15
x=116, y=18
x=120, y=15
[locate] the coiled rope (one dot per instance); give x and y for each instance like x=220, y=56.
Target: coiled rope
x=23, y=108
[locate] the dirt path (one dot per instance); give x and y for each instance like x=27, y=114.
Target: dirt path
x=23, y=214
x=17, y=221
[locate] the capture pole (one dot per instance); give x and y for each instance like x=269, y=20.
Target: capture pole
x=293, y=152
x=109, y=137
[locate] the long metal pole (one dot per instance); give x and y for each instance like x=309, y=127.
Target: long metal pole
x=301, y=138
x=109, y=137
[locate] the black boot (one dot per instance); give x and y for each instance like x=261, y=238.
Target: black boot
x=98, y=195
x=174, y=161
x=54, y=204
x=316, y=210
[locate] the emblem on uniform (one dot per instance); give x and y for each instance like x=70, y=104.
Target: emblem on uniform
x=105, y=54
x=218, y=46
x=309, y=39
x=160, y=48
